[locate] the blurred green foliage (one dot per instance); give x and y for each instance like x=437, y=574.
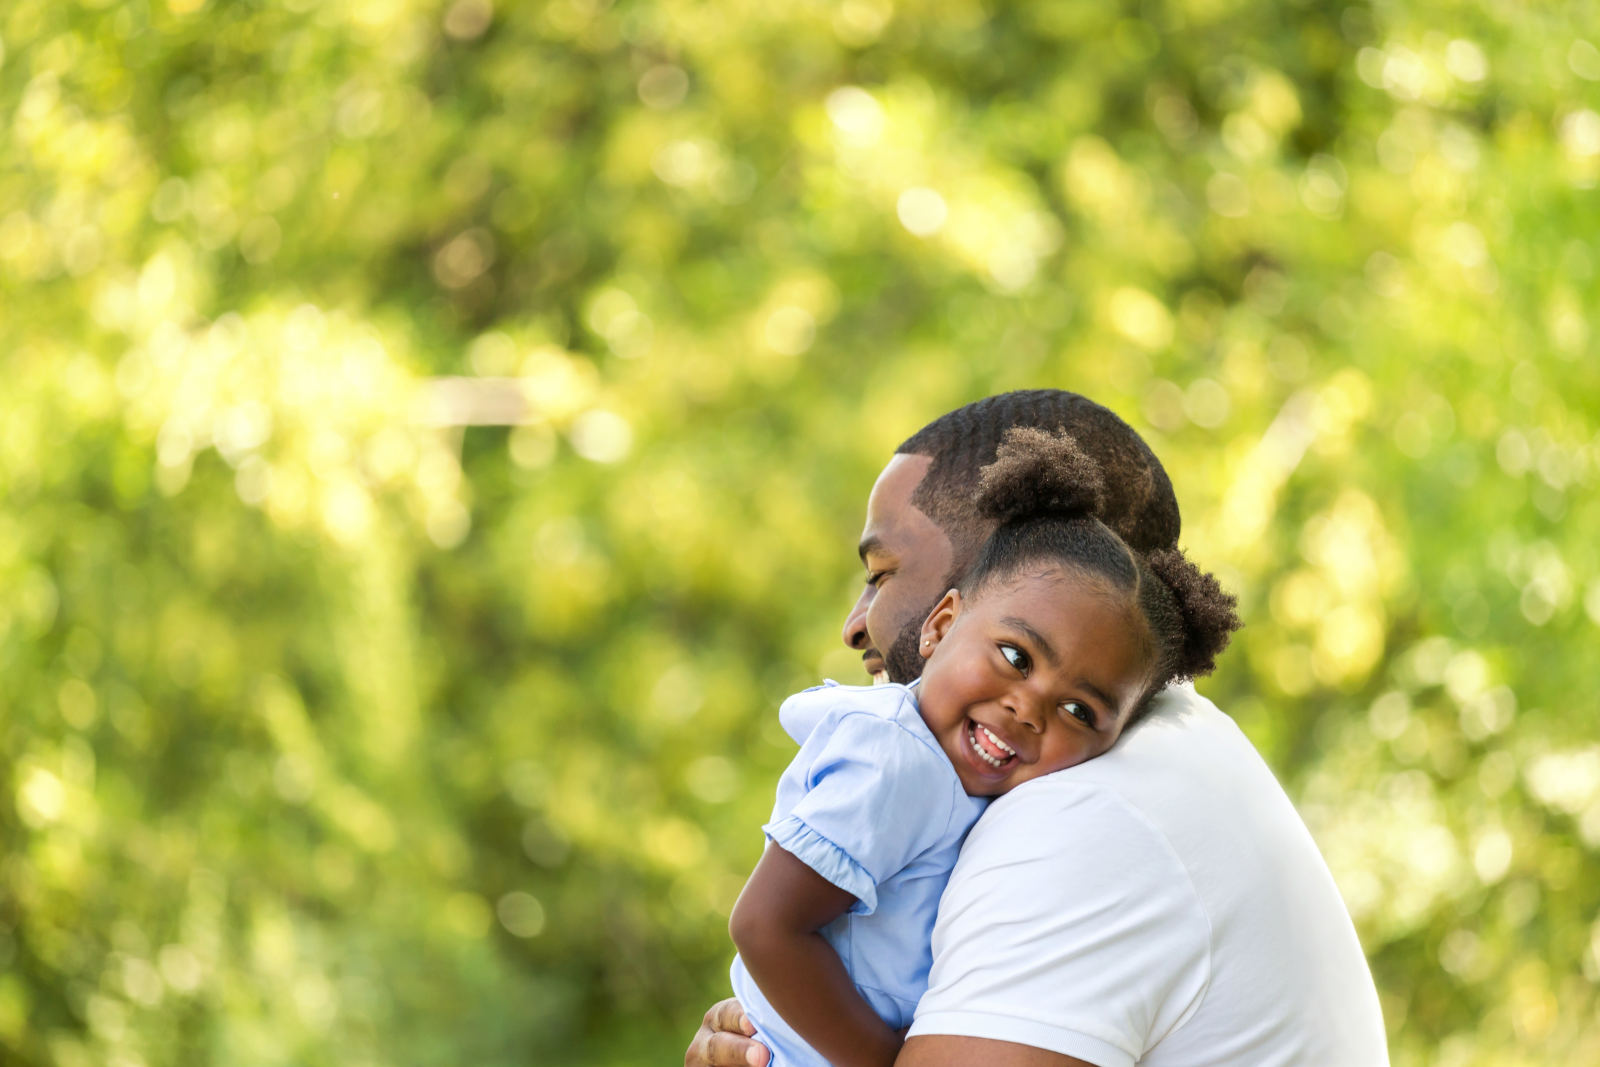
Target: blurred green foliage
x=433, y=436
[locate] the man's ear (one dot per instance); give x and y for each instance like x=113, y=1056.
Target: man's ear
x=938, y=622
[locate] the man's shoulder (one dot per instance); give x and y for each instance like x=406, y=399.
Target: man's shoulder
x=1178, y=779
x=1179, y=713
x=1177, y=864
x=1184, y=740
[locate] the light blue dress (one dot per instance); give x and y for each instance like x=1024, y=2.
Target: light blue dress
x=873, y=805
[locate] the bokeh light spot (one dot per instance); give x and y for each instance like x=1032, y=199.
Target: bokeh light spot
x=521, y=914
x=663, y=87
x=857, y=116
x=601, y=436
x=1141, y=318
x=922, y=211
x=467, y=20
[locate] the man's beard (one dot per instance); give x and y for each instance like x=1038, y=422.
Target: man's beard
x=903, y=662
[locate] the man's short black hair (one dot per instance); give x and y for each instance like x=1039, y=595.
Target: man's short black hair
x=1137, y=500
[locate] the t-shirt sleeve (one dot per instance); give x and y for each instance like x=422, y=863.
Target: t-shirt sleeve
x=876, y=796
x=1068, y=925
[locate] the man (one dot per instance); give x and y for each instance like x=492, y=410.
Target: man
x=1161, y=905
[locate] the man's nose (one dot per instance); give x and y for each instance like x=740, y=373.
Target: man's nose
x=855, y=623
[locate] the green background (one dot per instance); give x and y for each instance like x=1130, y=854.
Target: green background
x=336, y=732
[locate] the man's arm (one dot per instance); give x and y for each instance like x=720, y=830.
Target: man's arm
x=775, y=926
x=943, y=1050
x=724, y=1041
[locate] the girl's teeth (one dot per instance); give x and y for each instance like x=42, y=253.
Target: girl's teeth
x=993, y=761
x=1001, y=745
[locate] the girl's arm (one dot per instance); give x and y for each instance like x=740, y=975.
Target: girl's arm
x=775, y=926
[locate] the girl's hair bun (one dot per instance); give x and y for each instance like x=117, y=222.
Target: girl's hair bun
x=1036, y=475
x=1209, y=618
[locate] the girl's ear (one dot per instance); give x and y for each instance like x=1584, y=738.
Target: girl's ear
x=938, y=622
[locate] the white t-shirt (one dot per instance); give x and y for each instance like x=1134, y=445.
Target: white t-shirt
x=1162, y=905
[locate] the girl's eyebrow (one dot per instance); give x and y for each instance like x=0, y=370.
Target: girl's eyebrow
x=1034, y=637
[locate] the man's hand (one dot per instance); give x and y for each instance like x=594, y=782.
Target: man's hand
x=724, y=1040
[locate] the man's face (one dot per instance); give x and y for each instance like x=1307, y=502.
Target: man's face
x=908, y=560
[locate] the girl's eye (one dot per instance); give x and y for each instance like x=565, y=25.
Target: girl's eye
x=1078, y=711
x=874, y=577
x=1016, y=657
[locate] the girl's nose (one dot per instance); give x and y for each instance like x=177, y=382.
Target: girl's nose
x=1028, y=711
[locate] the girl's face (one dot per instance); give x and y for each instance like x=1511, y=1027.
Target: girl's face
x=1030, y=675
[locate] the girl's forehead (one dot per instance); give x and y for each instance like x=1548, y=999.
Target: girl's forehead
x=1052, y=578
x=1054, y=598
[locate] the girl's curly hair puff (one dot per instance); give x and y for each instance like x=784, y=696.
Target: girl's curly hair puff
x=1036, y=474
x=1206, y=612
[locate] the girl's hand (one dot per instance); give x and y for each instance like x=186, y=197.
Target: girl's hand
x=724, y=1040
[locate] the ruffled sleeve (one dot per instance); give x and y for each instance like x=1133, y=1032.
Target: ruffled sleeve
x=876, y=795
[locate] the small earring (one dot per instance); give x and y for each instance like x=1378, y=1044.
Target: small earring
x=927, y=641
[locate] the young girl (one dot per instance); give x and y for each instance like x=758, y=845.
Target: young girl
x=1053, y=644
